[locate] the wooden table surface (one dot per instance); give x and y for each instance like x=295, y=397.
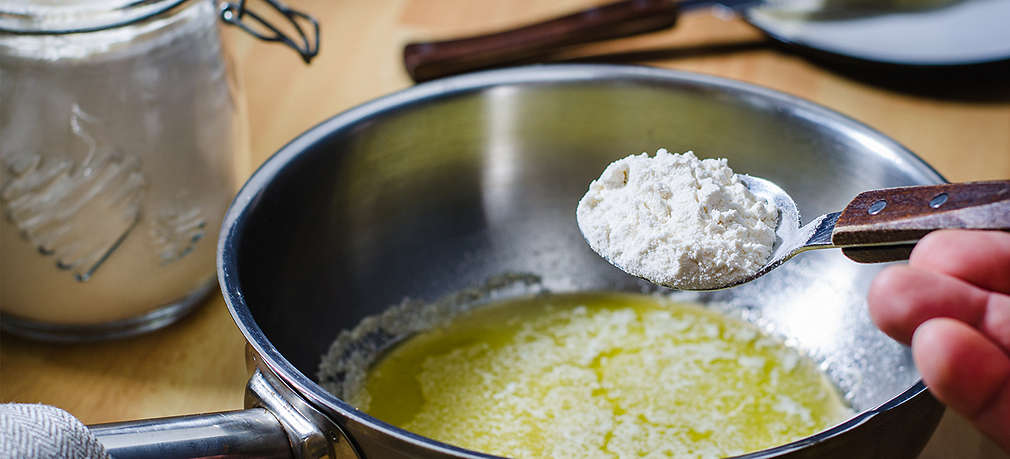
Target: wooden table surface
x=197, y=365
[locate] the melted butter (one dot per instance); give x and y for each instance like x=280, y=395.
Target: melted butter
x=600, y=375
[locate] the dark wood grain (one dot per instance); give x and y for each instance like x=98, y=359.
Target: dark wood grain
x=879, y=254
x=908, y=216
x=429, y=60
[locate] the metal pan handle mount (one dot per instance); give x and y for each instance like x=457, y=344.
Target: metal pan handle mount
x=277, y=424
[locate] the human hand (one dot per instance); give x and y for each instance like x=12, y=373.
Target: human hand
x=951, y=303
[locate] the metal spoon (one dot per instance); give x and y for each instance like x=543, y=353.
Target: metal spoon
x=881, y=225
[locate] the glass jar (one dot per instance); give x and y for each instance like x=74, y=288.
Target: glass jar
x=122, y=142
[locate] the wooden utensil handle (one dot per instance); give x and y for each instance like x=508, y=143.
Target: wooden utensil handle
x=425, y=61
x=890, y=217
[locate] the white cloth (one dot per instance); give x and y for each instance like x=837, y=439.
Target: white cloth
x=42, y=431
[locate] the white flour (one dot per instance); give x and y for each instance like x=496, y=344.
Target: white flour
x=677, y=221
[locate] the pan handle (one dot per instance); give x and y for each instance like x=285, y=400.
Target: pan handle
x=278, y=424
x=245, y=433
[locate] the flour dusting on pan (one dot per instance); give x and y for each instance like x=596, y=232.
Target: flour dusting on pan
x=343, y=368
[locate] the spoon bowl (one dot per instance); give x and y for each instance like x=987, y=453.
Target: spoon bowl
x=790, y=237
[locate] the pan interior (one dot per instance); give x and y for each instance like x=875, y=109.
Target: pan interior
x=592, y=373
x=440, y=194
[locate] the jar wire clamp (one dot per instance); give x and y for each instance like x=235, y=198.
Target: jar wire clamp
x=237, y=14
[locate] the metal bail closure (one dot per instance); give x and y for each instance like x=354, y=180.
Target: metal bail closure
x=236, y=13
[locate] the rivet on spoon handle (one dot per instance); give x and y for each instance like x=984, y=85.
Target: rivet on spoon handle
x=889, y=221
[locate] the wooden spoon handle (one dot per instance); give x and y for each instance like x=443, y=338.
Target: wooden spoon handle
x=425, y=61
x=892, y=218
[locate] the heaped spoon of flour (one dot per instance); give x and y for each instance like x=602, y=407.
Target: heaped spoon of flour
x=693, y=224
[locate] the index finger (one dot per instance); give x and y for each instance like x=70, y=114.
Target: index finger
x=981, y=258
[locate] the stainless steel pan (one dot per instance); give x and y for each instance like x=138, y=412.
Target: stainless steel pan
x=438, y=187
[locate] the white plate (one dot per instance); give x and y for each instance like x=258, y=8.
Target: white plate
x=964, y=33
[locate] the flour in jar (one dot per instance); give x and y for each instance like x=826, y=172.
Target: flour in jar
x=678, y=221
